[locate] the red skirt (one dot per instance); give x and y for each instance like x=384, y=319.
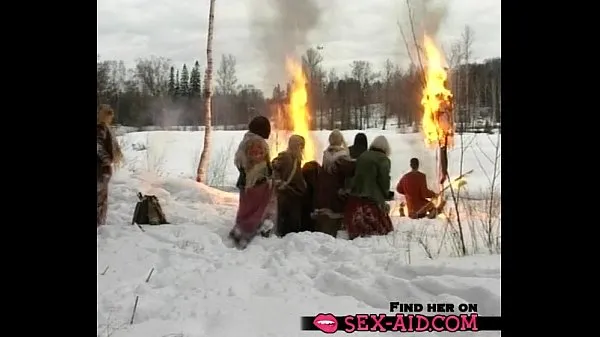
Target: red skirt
x=363, y=217
x=256, y=205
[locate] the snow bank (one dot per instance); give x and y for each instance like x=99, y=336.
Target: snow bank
x=202, y=287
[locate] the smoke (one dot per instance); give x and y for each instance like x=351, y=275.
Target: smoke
x=281, y=28
x=171, y=116
x=428, y=16
x=423, y=17
x=166, y=114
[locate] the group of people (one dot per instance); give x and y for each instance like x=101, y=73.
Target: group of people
x=348, y=190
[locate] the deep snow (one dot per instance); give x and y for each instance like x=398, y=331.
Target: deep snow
x=199, y=283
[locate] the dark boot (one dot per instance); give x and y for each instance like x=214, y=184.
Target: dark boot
x=327, y=225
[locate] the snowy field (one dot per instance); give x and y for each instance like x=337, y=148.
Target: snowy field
x=201, y=287
x=176, y=154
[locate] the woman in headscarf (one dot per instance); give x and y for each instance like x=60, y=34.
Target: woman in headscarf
x=367, y=212
x=291, y=187
x=331, y=196
x=108, y=153
x=256, y=211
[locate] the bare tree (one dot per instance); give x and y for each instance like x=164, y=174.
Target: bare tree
x=454, y=61
x=224, y=101
x=456, y=195
x=362, y=72
x=226, y=75
x=311, y=62
x=467, y=41
x=332, y=96
x=153, y=74
x=388, y=78
x=205, y=156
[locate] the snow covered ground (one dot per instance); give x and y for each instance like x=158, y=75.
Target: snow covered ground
x=201, y=287
x=176, y=154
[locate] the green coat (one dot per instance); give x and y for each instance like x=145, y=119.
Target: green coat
x=372, y=176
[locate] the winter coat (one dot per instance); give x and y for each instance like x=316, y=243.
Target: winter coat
x=291, y=191
x=413, y=186
x=372, y=177
x=258, y=126
x=310, y=172
x=337, y=168
x=360, y=145
x=104, y=151
x=252, y=172
x=287, y=170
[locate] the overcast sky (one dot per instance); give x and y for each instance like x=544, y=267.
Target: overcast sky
x=346, y=29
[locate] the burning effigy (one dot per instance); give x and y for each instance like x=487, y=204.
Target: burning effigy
x=438, y=121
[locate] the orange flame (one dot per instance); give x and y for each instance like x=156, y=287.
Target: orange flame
x=297, y=112
x=278, y=141
x=438, y=124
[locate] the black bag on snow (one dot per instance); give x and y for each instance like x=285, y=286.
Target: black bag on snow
x=148, y=211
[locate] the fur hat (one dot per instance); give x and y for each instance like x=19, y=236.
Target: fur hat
x=261, y=126
x=381, y=143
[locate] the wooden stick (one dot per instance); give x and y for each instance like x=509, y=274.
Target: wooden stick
x=140, y=227
x=105, y=270
x=444, y=189
x=149, y=275
x=134, y=309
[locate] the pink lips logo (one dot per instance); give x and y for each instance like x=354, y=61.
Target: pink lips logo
x=326, y=323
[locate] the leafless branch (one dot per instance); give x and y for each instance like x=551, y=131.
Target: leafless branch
x=149, y=274
x=134, y=310
x=412, y=27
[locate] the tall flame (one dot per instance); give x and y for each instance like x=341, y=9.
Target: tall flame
x=438, y=125
x=280, y=134
x=297, y=111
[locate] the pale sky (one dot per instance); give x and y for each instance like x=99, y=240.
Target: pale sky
x=347, y=30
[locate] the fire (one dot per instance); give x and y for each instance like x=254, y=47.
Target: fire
x=437, y=123
x=278, y=141
x=298, y=109
x=298, y=113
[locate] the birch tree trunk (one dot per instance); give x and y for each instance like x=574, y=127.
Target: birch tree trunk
x=205, y=156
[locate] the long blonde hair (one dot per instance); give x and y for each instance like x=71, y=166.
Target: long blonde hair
x=336, y=138
x=296, y=145
x=104, y=115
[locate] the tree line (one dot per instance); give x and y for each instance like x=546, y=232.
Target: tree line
x=156, y=92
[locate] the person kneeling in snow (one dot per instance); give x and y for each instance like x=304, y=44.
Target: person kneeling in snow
x=291, y=187
x=413, y=186
x=366, y=211
x=256, y=211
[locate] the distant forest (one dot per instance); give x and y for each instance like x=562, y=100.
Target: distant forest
x=156, y=92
